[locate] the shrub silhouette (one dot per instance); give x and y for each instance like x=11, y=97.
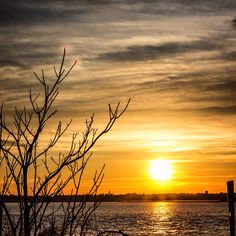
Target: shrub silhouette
x=22, y=158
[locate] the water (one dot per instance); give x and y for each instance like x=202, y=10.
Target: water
x=162, y=218
x=165, y=218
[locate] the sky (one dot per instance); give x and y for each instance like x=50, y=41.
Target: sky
x=175, y=59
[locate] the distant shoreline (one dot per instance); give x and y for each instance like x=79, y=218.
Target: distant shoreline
x=133, y=197
x=168, y=201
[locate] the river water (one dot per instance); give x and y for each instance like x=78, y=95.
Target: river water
x=161, y=218
x=165, y=218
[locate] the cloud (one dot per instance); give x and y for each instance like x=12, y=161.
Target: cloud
x=25, y=55
x=15, y=63
x=208, y=91
x=31, y=12
x=12, y=143
x=233, y=22
x=210, y=6
x=166, y=50
x=227, y=84
x=224, y=110
x=231, y=56
x=32, y=36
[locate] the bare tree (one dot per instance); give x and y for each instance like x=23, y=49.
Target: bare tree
x=22, y=158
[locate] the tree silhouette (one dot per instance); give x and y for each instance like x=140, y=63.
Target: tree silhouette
x=23, y=157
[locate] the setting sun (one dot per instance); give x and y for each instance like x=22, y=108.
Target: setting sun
x=161, y=170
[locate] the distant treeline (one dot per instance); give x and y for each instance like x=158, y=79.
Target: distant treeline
x=132, y=197
x=168, y=197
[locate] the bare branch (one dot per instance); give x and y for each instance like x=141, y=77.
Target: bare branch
x=39, y=177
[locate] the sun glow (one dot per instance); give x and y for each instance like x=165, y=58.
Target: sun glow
x=161, y=170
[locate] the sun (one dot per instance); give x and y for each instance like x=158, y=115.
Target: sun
x=161, y=170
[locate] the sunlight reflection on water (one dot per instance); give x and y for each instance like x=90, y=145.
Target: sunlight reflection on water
x=165, y=218
x=161, y=218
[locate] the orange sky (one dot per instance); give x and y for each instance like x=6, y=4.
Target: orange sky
x=175, y=60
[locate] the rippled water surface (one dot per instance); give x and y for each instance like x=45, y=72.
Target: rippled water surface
x=161, y=218
x=165, y=218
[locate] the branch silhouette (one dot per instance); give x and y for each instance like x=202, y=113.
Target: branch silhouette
x=22, y=158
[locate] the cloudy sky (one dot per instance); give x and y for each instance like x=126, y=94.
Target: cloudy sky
x=176, y=60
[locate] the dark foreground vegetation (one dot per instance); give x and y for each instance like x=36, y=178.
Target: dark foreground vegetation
x=35, y=171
